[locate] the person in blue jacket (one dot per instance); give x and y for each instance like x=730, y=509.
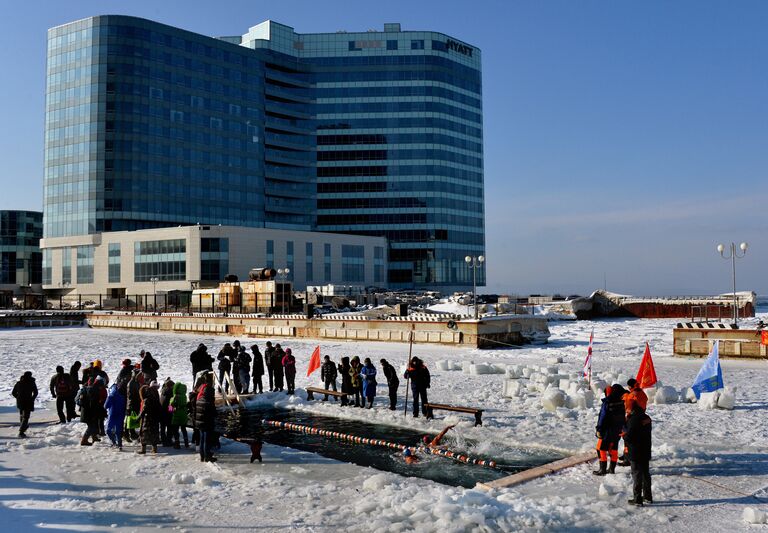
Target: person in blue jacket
x=368, y=375
x=115, y=405
x=610, y=423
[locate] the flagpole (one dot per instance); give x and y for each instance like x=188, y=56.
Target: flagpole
x=410, y=352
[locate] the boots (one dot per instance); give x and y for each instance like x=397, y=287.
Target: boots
x=143, y=449
x=612, y=469
x=154, y=448
x=84, y=441
x=601, y=471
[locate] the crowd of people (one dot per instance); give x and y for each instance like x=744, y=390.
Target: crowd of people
x=622, y=415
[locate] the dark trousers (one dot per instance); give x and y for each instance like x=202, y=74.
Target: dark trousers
x=206, y=444
x=174, y=429
x=393, y=394
x=279, y=380
x=224, y=384
x=24, y=420
x=290, y=382
x=419, y=394
x=358, y=393
x=330, y=384
x=257, y=384
x=271, y=373
x=70, y=405
x=641, y=480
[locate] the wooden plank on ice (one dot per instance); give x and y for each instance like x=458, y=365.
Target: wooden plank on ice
x=539, y=471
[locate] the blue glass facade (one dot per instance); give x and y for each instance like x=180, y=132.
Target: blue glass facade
x=374, y=133
x=21, y=261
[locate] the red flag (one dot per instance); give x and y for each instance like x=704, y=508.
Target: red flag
x=588, y=360
x=646, y=374
x=764, y=338
x=314, y=361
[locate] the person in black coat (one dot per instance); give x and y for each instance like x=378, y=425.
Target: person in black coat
x=637, y=436
x=134, y=403
x=420, y=382
x=25, y=392
x=225, y=366
x=258, y=369
x=63, y=392
x=277, y=366
x=346, y=380
x=610, y=422
x=393, y=382
x=205, y=418
x=201, y=360
x=328, y=375
x=149, y=366
x=268, y=351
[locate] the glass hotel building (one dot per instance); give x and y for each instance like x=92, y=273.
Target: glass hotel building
x=369, y=134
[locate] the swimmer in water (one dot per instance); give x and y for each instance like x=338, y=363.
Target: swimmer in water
x=435, y=442
x=409, y=457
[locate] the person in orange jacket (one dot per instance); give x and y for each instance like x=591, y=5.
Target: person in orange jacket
x=635, y=396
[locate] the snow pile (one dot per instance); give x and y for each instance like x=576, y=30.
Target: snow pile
x=719, y=399
x=753, y=516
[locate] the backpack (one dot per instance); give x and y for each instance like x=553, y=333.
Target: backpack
x=83, y=398
x=62, y=386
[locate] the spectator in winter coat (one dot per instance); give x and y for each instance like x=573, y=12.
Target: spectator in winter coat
x=115, y=406
x=346, y=380
x=149, y=434
x=149, y=367
x=420, y=381
x=328, y=376
x=610, y=422
x=166, y=393
x=191, y=406
x=393, y=382
x=233, y=356
x=258, y=370
x=289, y=366
x=277, y=366
x=201, y=360
x=268, y=361
x=25, y=392
x=179, y=415
x=74, y=374
x=64, y=393
x=225, y=366
x=134, y=402
x=92, y=398
x=356, y=381
x=638, y=438
x=205, y=418
x=635, y=396
x=124, y=376
x=368, y=377
x=244, y=369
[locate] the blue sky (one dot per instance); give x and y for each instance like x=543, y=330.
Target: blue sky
x=623, y=140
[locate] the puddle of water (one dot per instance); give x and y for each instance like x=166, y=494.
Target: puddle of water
x=246, y=423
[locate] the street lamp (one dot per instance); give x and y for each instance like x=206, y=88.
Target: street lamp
x=283, y=273
x=154, y=289
x=475, y=263
x=734, y=254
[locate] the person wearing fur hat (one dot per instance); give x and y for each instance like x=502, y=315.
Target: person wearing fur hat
x=149, y=432
x=25, y=392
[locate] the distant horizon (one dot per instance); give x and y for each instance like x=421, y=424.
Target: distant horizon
x=621, y=141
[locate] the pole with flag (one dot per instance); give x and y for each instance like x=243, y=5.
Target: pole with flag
x=314, y=362
x=710, y=377
x=646, y=374
x=588, y=360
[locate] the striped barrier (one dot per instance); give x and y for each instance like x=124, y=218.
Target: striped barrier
x=378, y=442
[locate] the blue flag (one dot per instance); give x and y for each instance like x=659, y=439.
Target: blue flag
x=710, y=377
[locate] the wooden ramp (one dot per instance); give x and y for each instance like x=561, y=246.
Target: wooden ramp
x=539, y=471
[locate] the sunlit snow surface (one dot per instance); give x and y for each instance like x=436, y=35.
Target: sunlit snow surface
x=708, y=466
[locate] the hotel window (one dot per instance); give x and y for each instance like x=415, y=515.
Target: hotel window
x=309, y=263
x=164, y=260
x=417, y=44
x=214, y=259
x=85, y=264
x=289, y=259
x=378, y=264
x=270, y=254
x=66, y=266
x=327, y=262
x=352, y=263
x=113, y=263
x=47, y=266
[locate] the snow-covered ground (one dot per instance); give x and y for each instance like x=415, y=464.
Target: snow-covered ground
x=708, y=465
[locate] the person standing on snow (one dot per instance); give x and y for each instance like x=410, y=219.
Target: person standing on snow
x=225, y=366
x=179, y=415
x=92, y=398
x=25, y=392
x=420, y=382
x=244, y=369
x=610, y=422
x=635, y=396
x=393, y=382
x=346, y=380
x=124, y=376
x=205, y=418
x=357, y=382
x=115, y=406
x=258, y=370
x=276, y=360
x=638, y=437
x=149, y=434
x=166, y=393
x=201, y=360
x=63, y=391
x=268, y=361
x=289, y=365
x=368, y=377
x=328, y=376
x=134, y=402
x=149, y=366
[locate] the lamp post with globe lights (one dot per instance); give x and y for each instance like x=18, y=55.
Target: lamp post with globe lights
x=733, y=255
x=283, y=273
x=474, y=263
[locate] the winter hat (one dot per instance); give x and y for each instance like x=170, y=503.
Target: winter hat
x=59, y=369
x=631, y=382
x=97, y=363
x=154, y=384
x=287, y=351
x=27, y=374
x=126, y=362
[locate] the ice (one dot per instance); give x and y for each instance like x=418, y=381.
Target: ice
x=512, y=388
x=753, y=516
x=444, y=365
x=708, y=400
x=552, y=399
x=665, y=395
x=727, y=399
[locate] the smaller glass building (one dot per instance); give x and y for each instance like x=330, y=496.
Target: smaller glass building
x=21, y=262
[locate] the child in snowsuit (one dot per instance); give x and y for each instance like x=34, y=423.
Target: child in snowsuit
x=115, y=406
